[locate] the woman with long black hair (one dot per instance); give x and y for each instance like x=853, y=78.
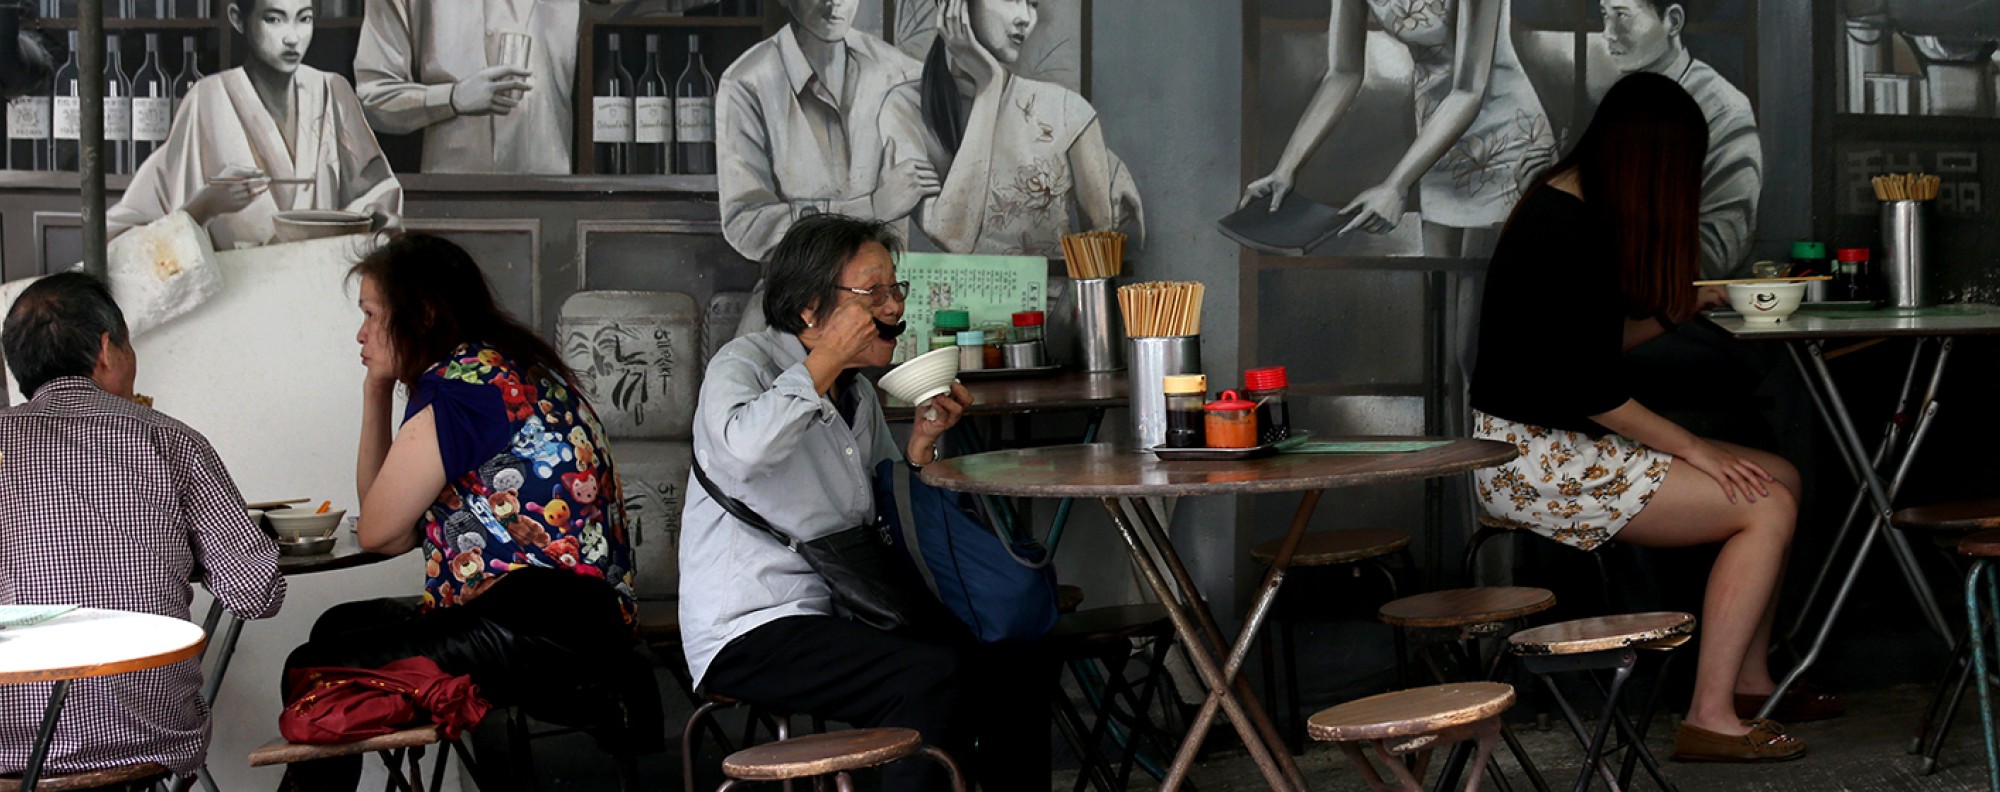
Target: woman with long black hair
x=1600, y=256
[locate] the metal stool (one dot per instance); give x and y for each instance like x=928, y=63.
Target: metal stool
x=1367, y=546
x=778, y=723
x=1598, y=644
x=1944, y=523
x=1105, y=635
x=1982, y=547
x=1416, y=721
x=128, y=776
x=1458, y=619
x=394, y=748
x=835, y=754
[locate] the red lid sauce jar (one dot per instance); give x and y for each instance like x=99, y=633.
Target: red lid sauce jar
x=1266, y=388
x=1232, y=422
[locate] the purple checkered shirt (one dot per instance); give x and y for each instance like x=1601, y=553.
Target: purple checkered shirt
x=107, y=504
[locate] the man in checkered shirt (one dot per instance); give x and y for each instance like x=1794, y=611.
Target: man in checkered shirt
x=108, y=504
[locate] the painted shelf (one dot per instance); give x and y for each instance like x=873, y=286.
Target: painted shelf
x=431, y=183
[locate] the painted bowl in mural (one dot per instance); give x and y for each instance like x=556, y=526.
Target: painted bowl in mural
x=304, y=224
x=923, y=376
x=1766, y=302
x=301, y=524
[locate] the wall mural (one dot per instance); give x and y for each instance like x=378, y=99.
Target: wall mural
x=270, y=136
x=1489, y=93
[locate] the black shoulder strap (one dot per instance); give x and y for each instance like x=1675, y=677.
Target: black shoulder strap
x=737, y=509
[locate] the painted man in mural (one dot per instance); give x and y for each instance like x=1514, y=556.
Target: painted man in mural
x=273, y=118
x=435, y=66
x=1481, y=129
x=798, y=132
x=797, y=123
x=1017, y=153
x=1645, y=35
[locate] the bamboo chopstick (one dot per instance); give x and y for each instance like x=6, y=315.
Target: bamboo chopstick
x=1727, y=281
x=1157, y=309
x=1094, y=254
x=1906, y=186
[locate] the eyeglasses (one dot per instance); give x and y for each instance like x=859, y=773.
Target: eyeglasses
x=881, y=294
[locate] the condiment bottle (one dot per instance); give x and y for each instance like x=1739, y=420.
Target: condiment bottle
x=1028, y=326
x=941, y=340
x=951, y=322
x=971, y=350
x=1184, y=410
x=1230, y=422
x=996, y=334
x=1266, y=387
x=1855, y=274
x=1809, y=258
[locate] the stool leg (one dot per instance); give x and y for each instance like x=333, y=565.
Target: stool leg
x=1593, y=755
x=1638, y=733
x=1943, y=726
x=1407, y=779
x=1143, y=721
x=1576, y=729
x=1366, y=768
x=950, y=767
x=1294, y=724
x=691, y=741
x=1487, y=737
x=1979, y=669
x=1955, y=669
x=437, y=767
x=1107, y=703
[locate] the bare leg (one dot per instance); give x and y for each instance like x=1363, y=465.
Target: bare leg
x=1690, y=509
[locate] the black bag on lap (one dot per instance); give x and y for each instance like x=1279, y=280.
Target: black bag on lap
x=872, y=579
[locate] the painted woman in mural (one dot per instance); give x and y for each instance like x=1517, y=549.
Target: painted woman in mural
x=274, y=118
x=1016, y=153
x=1481, y=130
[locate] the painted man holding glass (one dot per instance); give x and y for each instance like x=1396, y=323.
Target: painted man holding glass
x=489, y=82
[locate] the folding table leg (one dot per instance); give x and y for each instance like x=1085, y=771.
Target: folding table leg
x=231, y=628
x=1265, y=598
x=32, y=774
x=1204, y=664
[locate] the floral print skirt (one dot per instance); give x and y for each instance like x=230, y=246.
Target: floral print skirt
x=1565, y=485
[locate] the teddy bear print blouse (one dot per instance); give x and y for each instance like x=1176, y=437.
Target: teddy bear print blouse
x=529, y=481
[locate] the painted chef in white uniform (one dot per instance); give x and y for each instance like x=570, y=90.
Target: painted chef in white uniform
x=273, y=118
x=434, y=66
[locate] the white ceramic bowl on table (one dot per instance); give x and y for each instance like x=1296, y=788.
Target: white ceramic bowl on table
x=1766, y=303
x=306, y=545
x=922, y=377
x=303, y=524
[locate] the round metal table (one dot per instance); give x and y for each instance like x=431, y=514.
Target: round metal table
x=85, y=643
x=1122, y=481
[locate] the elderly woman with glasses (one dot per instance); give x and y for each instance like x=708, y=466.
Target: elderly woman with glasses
x=787, y=426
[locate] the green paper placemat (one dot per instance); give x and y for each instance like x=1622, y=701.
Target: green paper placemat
x=1363, y=446
x=30, y=615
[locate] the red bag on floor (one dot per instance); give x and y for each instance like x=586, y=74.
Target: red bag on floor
x=324, y=706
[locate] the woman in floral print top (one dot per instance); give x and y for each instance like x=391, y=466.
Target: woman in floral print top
x=500, y=474
x=536, y=488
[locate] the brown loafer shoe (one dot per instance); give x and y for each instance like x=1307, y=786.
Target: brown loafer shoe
x=1766, y=742
x=1802, y=703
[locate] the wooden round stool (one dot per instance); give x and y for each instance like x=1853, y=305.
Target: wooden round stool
x=1456, y=620
x=835, y=754
x=779, y=724
x=1084, y=640
x=1416, y=721
x=132, y=776
x=1946, y=525
x=1317, y=549
x=1599, y=644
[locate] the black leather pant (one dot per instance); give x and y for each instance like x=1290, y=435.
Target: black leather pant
x=550, y=642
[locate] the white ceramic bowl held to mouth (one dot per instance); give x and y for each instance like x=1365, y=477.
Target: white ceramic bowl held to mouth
x=923, y=376
x=1766, y=303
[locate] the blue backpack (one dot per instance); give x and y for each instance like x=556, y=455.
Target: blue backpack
x=1001, y=590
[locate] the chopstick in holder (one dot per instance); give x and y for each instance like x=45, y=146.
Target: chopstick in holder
x=1157, y=309
x=1727, y=281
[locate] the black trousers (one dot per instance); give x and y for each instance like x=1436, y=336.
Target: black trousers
x=985, y=704
x=550, y=642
